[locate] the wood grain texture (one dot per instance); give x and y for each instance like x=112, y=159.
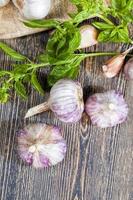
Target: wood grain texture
x=12, y=27
x=99, y=162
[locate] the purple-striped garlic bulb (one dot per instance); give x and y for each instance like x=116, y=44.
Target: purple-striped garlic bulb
x=66, y=101
x=41, y=145
x=107, y=109
x=128, y=69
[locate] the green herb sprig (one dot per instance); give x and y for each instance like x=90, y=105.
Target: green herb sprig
x=61, y=50
x=26, y=72
x=115, y=30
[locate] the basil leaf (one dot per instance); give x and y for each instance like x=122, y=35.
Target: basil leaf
x=36, y=84
x=61, y=45
x=104, y=36
x=129, y=4
x=43, y=58
x=83, y=15
x=117, y=3
x=20, y=89
x=75, y=40
x=3, y=97
x=123, y=36
x=12, y=53
x=70, y=70
x=49, y=23
x=103, y=26
x=62, y=71
x=3, y=73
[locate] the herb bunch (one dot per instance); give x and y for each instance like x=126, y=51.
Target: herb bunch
x=115, y=18
x=61, y=51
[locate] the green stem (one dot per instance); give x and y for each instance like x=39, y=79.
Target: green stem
x=34, y=66
x=102, y=54
x=99, y=54
x=85, y=55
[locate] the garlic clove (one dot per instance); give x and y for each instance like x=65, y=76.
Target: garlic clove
x=113, y=66
x=128, y=69
x=41, y=145
x=3, y=3
x=35, y=9
x=107, y=109
x=66, y=101
x=89, y=36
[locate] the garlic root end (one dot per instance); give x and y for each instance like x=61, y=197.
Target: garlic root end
x=37, y=109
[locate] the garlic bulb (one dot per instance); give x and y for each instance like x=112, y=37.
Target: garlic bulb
x=66, y=101
x=3, y=3
x=107, y=109
x=113, y=66
x=128, y=69
x=89, y=36
x=41, y=145
x=33, y=9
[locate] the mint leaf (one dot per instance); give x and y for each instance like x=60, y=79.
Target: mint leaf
x=4, y=93
x=36, y=84
x=20, y=89
x=70, y=70
x=12, y=53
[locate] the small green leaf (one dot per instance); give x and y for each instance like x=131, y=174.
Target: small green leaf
x=104, y=36
x=83, y=15
x=43, y=58
x=69, y=70
x=75, y=40
x=36, y=84
x=12, y=53
x=4, y=97
x=102, y=26
x=20, y=89
x=3, y=73
x=48, y=23
x=117, y=3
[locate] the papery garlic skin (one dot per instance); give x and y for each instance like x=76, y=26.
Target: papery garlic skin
x=66, y=100
x=3, y=3
x=113, y=66
x=128, y=69
x=33, y=9
x=107, y=109
x=89, y=35
x=41, y=145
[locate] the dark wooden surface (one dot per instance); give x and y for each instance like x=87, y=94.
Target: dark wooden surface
x=99, y=162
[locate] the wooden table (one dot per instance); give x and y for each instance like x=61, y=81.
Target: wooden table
x=99, y=162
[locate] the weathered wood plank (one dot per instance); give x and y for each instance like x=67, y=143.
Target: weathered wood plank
x=98, y=164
